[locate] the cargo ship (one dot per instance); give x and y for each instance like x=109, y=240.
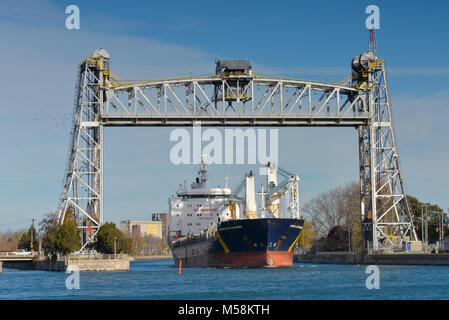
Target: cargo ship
x=215, y=227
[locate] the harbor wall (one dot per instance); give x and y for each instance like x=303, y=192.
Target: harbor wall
x=82, y=265
x=151, y=257
x=373, y=259
x=36, y=265
x=100, y=265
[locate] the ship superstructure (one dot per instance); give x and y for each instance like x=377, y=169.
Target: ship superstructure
x=198, y=208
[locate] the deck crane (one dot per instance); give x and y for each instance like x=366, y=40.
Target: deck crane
x=270, y=199
x=235, y=201
x=288, y=188
x=248, y=202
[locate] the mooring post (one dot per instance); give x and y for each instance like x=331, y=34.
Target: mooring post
x=1, y=266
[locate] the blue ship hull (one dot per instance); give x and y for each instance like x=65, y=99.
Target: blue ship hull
x=242, y=243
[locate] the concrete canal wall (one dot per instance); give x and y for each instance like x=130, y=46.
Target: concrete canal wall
x=80, y=264
x=374, y=259
x=100, y=265
x=152, y=257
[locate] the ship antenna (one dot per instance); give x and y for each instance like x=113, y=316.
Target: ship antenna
x=372, y=41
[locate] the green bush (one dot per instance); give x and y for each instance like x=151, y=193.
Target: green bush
x=107, y=235
x=63, y=238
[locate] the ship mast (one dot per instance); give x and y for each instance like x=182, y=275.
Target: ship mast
x=202, y=172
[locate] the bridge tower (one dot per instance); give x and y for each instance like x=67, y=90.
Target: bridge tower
x=82, y=191
x=386, y=216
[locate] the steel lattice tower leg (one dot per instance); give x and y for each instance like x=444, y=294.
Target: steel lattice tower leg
x=386, y=216
x=83, y=183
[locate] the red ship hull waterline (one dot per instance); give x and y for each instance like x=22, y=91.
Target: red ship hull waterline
x=239, y=260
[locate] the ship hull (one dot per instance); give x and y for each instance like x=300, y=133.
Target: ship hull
x=241, y=244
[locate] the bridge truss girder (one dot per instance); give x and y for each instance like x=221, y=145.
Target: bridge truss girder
x=261, y=101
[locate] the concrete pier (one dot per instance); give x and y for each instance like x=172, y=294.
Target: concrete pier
x=374, y=259
x=82, y=264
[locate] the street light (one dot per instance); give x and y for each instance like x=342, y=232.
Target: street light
x=424, y=235
x=32, y=240
x=440, y=224
x=349, y=240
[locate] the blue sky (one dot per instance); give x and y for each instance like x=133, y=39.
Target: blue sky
x=303, y=39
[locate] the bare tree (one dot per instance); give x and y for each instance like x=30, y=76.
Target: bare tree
x=337, y=207
x=50, y=219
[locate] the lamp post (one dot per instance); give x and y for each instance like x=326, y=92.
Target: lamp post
x=424, y=231
x=349, y=240
x=32, y=236
x=440, y=223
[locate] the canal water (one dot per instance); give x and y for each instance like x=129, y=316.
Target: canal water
x=160, y=280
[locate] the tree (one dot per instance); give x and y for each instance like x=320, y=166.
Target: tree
x=9, y=240
x=109, y=235
x=337, y=239
x=49, y=241
x=49, y=220
x=127, y=245
x=25, y=240
x=418, y=212
x=69, y=236
x=60, y=238
x=337, y=207
x=307, y=235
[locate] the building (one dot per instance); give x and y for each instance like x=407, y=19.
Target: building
x=233, y=67
x=142, y=228
x=163, y=217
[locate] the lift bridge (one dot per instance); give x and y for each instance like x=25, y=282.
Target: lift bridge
x=235, y=96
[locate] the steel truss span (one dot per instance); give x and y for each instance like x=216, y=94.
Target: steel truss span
x=247, y=100
x=235, y=99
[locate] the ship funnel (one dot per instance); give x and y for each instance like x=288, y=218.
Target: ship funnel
x=251, y=207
